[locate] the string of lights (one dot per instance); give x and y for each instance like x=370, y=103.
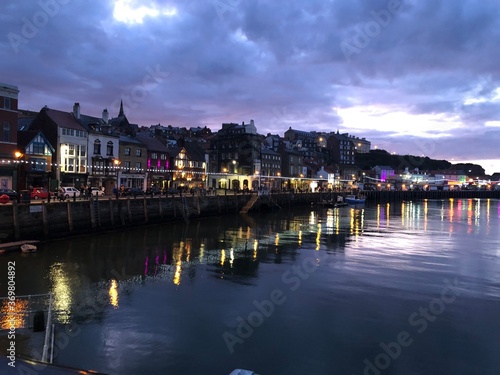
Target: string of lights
x=68, y=167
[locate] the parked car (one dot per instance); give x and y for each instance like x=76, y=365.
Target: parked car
x=97, y=192
x=12, y=194
x=134, y=192
x=39, y=193
x=68, y=192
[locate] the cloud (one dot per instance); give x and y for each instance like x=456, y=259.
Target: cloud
x=428, y=69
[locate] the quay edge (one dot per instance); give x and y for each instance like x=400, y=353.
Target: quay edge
x=45, y=221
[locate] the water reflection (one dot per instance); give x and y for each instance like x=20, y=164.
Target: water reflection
x=14, y=314
x=113, y=293
x=61, y=290
x=173, y=287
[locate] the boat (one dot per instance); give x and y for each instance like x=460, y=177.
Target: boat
x=332, y=204
x=28, y=248
x=355, y=199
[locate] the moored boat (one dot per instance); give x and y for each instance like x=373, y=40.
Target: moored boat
x=28, y=248
x=355, y=199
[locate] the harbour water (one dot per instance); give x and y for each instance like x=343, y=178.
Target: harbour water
x=406, y=288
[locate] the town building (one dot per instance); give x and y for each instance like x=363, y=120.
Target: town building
x=158, y=162
x=9, y=170
x=235, y=147
x=36, y=167
x=103, y=147
x=133, y=163
x=189, y=166
x=70, y=141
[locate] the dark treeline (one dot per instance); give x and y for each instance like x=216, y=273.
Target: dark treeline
x=400, y=162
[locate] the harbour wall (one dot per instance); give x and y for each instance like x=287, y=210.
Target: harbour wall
x=44, y=220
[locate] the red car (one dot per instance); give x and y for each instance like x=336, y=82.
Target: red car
x=39, y=193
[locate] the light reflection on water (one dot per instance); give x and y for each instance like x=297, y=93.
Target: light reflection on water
x=147, y=298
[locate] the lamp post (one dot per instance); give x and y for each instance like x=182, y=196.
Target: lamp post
x=18, y=155
x=224, y=170
x=235, y=173
x=116, y=163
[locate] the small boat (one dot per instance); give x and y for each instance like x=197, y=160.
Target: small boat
x=355, y=200
x=28, y=248
x=340, y=202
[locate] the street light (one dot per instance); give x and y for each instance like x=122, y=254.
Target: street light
x=116, y=163
x=18, y=155
x=258, y=177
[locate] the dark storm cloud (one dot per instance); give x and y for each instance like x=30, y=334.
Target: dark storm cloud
x=281, y=63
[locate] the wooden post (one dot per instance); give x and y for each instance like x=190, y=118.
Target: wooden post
x=92, y=214
x=160, y=209
x=129, y=210
x=111, y=212
x=120, y=210
x=70, y=219
x=45, y=220
x=15, y=214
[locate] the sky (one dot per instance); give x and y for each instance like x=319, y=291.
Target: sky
x=412, y=77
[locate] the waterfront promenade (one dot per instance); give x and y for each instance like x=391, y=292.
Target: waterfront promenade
x=41, y=220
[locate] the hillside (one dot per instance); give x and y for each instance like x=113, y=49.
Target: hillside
x=400, y=162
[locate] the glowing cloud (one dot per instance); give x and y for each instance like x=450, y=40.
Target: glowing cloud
x=134, y=11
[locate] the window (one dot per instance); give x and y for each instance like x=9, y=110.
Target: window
x=138, y=152
x=6, y=103
x=163, y=157
x=126, y=165
x=38, y=164
x=6, y=132
x=71, y=149
x=127, y=151
x=97, y=147
x=154, y=155
x=98, y=167
x=70, y=166
x=109, y=149
x=138, y=165
x=38, y=148
x=83, y=151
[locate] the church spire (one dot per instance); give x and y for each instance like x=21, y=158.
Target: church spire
x=121, y=109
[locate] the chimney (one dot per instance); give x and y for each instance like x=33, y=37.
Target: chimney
x=76, y=110
x=105, y=115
